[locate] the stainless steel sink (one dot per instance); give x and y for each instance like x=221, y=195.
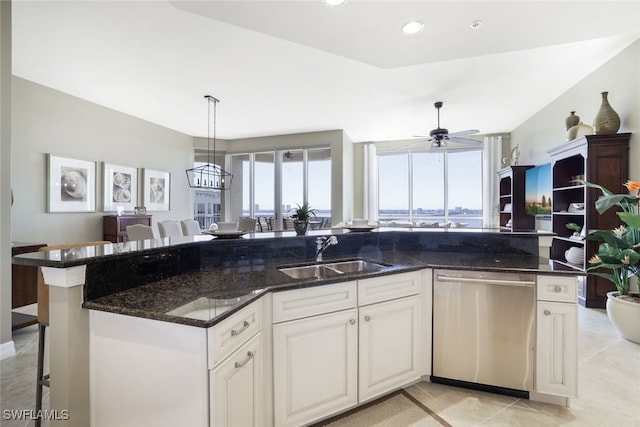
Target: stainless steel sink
x=317, y=271
x=357, y=266
x=332, y=269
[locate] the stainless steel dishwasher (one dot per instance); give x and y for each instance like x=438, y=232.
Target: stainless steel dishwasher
x=483, y=330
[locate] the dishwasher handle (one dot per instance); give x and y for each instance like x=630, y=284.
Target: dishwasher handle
x=440, y=278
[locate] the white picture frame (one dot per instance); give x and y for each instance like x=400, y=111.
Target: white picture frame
x=156, y=190
x=120, y=187
x=71, y=185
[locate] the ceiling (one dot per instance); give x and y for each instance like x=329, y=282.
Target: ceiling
x=281, y=67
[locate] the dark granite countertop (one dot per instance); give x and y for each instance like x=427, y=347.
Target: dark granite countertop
x=200, y=280
x=229, y=288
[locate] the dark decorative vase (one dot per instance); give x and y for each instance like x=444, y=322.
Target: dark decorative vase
x=300, y=227
x=607, y=121
x=572, y=120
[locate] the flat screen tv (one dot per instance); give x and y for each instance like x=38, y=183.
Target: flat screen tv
x=537, y=194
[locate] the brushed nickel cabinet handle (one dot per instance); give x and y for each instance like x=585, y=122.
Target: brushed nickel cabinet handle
x=250, y=355
x=558, y=288
x=245, y=325
x=367, y=318
x=547, y=313
x=352, y=322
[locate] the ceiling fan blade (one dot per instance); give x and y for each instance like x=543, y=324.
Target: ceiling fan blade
x=464, y=140
x=464, y=132
x=414, y=143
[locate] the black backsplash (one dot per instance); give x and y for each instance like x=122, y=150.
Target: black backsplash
x=117, y=274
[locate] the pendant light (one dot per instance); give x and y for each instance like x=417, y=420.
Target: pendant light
x=210, y=176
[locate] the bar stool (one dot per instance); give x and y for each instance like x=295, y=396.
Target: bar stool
x=43, y=319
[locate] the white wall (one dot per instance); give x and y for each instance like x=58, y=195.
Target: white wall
x=620, y=77
x=48, y=121
x=6, y=345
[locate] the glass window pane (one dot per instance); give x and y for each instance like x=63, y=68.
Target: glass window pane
x=393, y=185
x=465, y=187
x=319, y=191
x=292, y=181
x=264, y=184
x=428, y=185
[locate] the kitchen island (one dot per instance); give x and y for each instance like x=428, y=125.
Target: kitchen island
x=152, y=280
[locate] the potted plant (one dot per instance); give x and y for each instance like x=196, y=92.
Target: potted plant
x=619, y=253
x=301, y=217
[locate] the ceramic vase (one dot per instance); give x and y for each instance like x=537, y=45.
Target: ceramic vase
x=607, y=121
x=572, y=120
x=300, y=227
x=624, y=315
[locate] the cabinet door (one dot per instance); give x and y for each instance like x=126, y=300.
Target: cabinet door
x=236, y=388
x=556, y=349
x=389, y=346
x=315, y=367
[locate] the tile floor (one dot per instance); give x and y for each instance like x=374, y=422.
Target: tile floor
x=608, y=390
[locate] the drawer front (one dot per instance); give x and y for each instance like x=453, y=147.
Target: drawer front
x=307, y=302
x=558, y=288
x=388, y=287
x=225, y=337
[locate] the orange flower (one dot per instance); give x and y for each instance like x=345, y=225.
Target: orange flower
x=632, y=185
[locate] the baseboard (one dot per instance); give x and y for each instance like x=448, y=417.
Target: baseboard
x=547, y=398
x=7, y=349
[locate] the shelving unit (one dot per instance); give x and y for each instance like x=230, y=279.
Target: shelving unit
x=512, y=192
x=600, y=159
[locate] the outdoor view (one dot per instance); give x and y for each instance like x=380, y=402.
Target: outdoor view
x=431, y=187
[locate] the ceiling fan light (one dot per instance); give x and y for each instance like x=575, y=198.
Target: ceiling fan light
x=412, y=27
x=334, y=3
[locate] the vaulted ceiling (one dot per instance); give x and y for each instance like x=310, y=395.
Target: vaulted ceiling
x=283, y=67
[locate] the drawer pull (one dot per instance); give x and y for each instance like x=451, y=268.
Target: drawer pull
x=245, y=325
x=250, y=355
x=352, y=322
x=557, y=288
x=547, y=313
x=367, y=318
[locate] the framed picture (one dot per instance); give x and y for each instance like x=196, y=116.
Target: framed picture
x=156, y=189
x=120, y=187
x=72, y=185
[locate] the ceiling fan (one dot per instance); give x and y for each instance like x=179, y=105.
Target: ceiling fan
x=440, y=136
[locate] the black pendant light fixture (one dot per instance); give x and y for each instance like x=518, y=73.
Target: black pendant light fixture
x=210, y=176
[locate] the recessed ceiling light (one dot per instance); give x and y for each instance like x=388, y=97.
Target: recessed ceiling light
x=412, y=27
x=476, y=24
x=333, y=2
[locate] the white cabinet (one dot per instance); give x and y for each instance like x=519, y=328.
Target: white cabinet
x=339, y=345
x=389, y=343
x=556, y=336
x=151, y=373
x=236, y=387
x=315, y=366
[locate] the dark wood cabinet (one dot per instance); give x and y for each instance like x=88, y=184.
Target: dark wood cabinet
x=600, y=159
x=24, y=285
x=114, y=227
x=513, y=215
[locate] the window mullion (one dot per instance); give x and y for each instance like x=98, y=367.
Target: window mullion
x=410, y=169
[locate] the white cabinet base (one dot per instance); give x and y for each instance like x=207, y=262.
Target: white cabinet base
x=315, y=367
x=236, y=387
x=389, y=346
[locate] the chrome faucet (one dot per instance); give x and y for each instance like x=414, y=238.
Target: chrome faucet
x=323, y=243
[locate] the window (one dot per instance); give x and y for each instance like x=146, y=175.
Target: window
x=304, y=174
x=431, y=187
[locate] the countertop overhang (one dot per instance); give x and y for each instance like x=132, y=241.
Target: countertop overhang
x=233, y=273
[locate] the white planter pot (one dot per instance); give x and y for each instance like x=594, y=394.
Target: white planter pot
x=625, y=315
